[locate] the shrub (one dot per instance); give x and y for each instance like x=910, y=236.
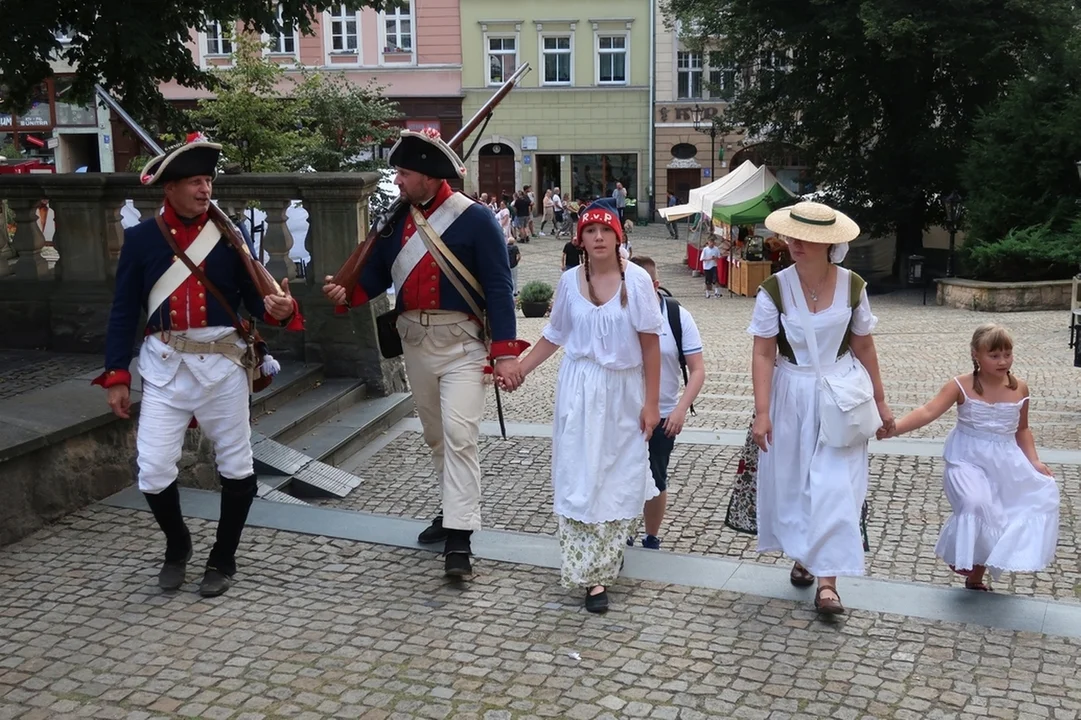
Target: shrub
x=535, y=292
x=1027, y=254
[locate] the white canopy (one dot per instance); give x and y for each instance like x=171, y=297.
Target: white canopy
x=702, y=199
x=758, y=182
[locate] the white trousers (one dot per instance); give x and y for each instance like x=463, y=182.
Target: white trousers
x=445, y=364
x=164, y=413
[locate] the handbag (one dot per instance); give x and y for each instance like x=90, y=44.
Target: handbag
x=386, y=331
x=847, y=412
x=256, y=360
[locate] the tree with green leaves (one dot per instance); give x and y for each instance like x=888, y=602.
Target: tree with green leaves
x=1020, y=168
x=881, y=95
x=259, y=127
x=129, y=46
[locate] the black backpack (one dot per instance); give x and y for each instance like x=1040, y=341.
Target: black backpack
x=514, y=255
x=672, y=306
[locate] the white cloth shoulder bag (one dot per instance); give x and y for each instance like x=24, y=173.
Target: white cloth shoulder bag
x=848, y=414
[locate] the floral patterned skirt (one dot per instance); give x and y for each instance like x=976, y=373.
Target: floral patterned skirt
x=592, y=553
x=742, y=514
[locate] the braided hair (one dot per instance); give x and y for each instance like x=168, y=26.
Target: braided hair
x=990, y=338
x=622, y=279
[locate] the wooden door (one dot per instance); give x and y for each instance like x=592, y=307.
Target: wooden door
x=496, y=175
x=681, y=181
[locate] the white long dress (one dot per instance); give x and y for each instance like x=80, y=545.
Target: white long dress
x=600, y=457
x=810, y=495
x=1005, y=512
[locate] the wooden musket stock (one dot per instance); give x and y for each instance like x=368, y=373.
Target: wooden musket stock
x=349, y=273
x=264, y=281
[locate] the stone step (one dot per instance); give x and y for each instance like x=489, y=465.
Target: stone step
x=342, y=435
x=267, y=491
x=318, y=403
x=293, y=380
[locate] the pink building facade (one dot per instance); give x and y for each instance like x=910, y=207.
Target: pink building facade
x=413, y=50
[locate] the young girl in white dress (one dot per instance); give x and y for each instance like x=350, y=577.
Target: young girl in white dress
x=1005, y=501
x=810, y=495
x=606, y=317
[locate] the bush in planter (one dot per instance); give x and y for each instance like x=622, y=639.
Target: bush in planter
x=1026, y=255
x=534, y=298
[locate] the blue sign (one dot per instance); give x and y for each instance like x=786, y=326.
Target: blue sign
x=526, y=159
x=706, y=172
x=106, y=139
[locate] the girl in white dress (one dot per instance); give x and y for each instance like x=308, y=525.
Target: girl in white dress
x=1005, y=501
x=810, y=495
x=607, y=319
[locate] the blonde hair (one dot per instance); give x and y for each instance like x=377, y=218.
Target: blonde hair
x=990, y=337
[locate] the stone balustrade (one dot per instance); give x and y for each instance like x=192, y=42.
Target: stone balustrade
x=66, y=307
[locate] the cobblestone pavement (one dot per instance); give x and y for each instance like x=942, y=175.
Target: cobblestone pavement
x=920, y=348
x=321, y=628
x=907, y=506
x=27, y=370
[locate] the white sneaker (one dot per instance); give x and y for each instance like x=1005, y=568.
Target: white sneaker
x=707, y=295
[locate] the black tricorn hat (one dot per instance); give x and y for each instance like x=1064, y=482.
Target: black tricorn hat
x=195, y=157
x=426, y=153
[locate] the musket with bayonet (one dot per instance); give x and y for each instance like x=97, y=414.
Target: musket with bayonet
x=264, y=281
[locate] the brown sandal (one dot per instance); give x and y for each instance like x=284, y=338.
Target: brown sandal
x=828, y=606
x=800, y=576
x=981, y=586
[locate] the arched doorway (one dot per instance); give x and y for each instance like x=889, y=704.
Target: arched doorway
x=783, y=160
x=495, y=174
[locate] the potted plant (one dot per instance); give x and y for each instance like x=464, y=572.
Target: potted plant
x=534, y=297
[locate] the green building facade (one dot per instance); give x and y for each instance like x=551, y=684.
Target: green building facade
x=580, y=119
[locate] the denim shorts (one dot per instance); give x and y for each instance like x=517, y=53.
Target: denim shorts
x=660, y=451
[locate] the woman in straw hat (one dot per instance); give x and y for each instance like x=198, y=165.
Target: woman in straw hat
x=810, y=494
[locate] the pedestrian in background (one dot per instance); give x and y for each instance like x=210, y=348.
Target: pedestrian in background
x=681, y=351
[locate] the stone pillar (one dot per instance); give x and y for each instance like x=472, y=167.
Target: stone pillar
x=345, y=343
x=5, y=241
x=114, y=233
x=81, y=238
x=148, y=207
x=28, y=241
x=278, y=241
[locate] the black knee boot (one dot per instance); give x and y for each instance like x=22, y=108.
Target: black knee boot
x=456, y=553
x=166, y=508
x=236, y=499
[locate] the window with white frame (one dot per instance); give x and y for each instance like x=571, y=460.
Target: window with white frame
x=557, y=59
x=285, y=42
x=343, y=30
x=219, y=39
x=688, y=75
x=722, y=80
x=612, y=59
x=398, y=27
x=502, y=59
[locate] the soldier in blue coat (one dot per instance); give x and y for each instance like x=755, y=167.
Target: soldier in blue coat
x=446, y=345
x=191, y=356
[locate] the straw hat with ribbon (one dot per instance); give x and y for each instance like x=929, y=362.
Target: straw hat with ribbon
x=816, y=223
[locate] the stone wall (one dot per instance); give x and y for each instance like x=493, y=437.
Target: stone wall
x=1004, y=297
x=44, y=485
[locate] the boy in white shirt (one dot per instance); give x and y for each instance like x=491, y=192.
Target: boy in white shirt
x=673, y=405
x=709, y=256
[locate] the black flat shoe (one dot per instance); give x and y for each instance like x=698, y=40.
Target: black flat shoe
x=214, y=583
x=597, y=603
x=457, y=565
x=433, y=533
x=172, y=573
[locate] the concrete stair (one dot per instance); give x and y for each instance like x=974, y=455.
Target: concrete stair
x=305, y=424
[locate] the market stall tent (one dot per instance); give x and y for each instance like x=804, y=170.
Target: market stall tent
x=702, y=199
x=754, y=210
